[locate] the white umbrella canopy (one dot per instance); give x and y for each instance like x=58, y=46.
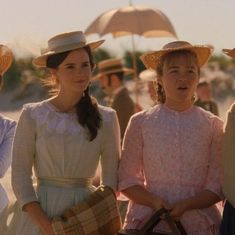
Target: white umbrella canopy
x=140, y=20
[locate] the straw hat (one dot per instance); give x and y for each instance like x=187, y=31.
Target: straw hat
x=152, y=59
x=64, y=42
x=6, y=58
x=148, y=75
x=110, y=66
x=229, y=52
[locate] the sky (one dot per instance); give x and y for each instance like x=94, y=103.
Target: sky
x=26, y=25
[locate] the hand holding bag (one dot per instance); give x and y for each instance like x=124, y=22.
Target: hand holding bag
x=98, y=215
x=162, y=214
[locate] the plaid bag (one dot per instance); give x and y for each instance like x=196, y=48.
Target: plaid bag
x=98, y=215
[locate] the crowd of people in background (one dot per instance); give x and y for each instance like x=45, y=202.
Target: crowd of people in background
x=177, y=155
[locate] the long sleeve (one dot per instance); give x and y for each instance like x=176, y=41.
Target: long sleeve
x=7, y=135
x=23, y=159
x=110, y=152
x=214, y=176
x=130, y=169
x=228, y=157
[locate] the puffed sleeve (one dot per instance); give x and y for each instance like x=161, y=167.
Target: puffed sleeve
x=7, y=135
x=214, y=176
x=131, y=163
x=110, y=151
x=23, y=158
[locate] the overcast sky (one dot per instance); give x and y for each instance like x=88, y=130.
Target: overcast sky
x=27, y=24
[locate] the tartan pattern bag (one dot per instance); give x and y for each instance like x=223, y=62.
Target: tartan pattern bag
x=98, y=215
x=175, y=226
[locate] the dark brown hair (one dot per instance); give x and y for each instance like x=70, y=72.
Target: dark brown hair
x=167, y=59
x=87, y=108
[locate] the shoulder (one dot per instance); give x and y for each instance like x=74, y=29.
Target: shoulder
x=36, y=111
x=232, y=108
x=107, y=113
x=208, y=117
x=146, y=115
x=6, y=123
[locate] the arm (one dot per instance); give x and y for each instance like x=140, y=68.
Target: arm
x=110, y=152
x=212, y=192
x=228, y=156
x=131, y=175
x=140, y=195
x=39, y=217
x=202, y=200
x=8, y=130
x=22, y=163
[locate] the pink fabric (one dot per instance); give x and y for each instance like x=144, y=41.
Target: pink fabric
x=174, y=155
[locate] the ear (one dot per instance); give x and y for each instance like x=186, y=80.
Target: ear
x=159, y=80
x=52, y=72
x=94, y=67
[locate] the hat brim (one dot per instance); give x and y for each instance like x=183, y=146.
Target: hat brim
x=41, y=61
x=6, y=58
x=152, y=59
x=126, y=71
x=148, y=75
x=229, y=52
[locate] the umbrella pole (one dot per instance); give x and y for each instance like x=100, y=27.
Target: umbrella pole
x=135, y=69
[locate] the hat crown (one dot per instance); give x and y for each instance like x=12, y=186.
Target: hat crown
x=176, y=44
x=61, y=41
x=110, y=64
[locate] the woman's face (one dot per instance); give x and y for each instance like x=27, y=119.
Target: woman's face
x=74, y=73
x=179, y=80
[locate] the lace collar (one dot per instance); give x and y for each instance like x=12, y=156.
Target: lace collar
x=45, y=113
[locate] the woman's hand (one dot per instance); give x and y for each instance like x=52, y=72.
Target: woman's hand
x=39, y=217
x=177, y=209
x=47, y=229
x=158, y=203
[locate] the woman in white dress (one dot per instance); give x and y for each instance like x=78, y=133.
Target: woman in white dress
x=7, y=128
x=63, y=139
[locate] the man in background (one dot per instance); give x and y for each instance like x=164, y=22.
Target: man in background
x=204, y=99
x=111, y=75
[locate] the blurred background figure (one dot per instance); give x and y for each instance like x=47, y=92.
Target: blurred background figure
x=111, y=74
x=149, y=77
x=7, y=128
x=204, y=97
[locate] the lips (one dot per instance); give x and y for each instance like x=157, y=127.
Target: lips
x=80, y=81
x=182, y=88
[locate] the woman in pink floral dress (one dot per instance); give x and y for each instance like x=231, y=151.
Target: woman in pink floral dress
x=171, y=152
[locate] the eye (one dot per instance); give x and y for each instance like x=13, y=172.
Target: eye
x=70, y=66
x=192, y=71
x=85, y=64
x=173, y=71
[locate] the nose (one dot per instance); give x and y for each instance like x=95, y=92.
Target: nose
x=183, y=77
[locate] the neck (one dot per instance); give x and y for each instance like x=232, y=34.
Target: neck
x=179, y=106
x=66, y=102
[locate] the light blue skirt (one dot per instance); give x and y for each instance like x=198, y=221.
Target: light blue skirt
x=53, y=200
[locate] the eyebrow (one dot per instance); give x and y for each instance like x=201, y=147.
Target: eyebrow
x=176, y=67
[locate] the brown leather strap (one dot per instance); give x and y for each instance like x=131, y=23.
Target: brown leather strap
x=175, y=226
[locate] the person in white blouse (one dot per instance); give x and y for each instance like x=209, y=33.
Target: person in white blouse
x=7, y=128
x=63, y=138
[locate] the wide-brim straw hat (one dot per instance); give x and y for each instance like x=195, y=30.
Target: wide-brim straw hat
x=110, y=66
x=229, y=52
x=64, y=42
x=148, y=75
x=152, y=59
x=6, y=58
